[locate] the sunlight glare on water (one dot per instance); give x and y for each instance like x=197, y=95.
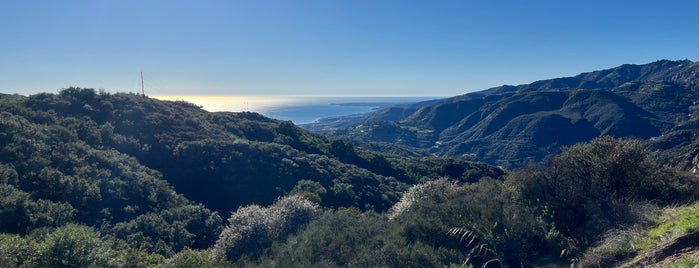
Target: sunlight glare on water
x=300, y=109
x=236, y=103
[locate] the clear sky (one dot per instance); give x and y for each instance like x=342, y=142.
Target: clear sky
x=357, y=47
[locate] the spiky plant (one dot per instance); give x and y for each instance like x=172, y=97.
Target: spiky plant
x=479, y=251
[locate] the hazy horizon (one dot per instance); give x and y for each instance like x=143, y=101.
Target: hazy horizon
x=262, y=103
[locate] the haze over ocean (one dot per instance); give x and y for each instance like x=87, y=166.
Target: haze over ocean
x=299, y=109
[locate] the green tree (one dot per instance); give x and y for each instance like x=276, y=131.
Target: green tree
x=17, y=251
x=310, y=190
x=189, y=258
x=76, y=246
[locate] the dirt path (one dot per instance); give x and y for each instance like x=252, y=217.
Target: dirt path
x=686, y=246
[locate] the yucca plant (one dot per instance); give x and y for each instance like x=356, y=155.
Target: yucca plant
x=479, y=250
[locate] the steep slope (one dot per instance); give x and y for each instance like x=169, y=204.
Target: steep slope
x=510, y=125
x=525, y=126
x=50, y=176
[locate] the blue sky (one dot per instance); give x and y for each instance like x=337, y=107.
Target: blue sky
x=358, y=47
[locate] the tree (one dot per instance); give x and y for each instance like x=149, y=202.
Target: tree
x=310, y=190
x=17, y=251
x=76, y=246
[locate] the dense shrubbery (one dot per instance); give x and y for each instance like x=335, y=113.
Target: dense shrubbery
x=52, y=176
x=547, y=213
x=93, y=179
x=223, y=160
x=128, y=167
x=70, y=246
x=590, y=188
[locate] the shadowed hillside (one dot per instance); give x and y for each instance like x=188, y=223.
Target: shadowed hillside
x=510, y=125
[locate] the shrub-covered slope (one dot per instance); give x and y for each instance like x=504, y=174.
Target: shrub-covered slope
x=510, y=125
x=156, y=177
x=574, y=209
x=52, y=173
x=92, y=179
x=225, y=160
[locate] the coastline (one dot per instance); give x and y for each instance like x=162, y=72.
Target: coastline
x=299, y=109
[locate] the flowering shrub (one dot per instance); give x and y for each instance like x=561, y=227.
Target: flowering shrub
x=253, y=227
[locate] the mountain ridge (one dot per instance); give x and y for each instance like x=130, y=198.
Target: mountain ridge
x=501, y=124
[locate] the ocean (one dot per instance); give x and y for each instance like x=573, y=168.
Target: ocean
x=296, y=108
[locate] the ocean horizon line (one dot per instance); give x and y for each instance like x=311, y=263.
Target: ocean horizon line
x=212, y=95
x=297, y=108
x=263, y=102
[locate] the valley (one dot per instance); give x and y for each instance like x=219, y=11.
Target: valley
x=512, y=125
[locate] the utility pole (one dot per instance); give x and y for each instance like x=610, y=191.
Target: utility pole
x=143, y=91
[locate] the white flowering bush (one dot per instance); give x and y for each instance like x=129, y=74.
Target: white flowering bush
x=252, y=228
x=419, y=192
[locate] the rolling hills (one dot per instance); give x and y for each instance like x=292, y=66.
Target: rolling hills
x=511, y=125
x=93, y=179
x=158, y=175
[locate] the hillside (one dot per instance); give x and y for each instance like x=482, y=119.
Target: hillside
x=92, y=179
x=511, y=125
x=197, y=151
x=158, y=177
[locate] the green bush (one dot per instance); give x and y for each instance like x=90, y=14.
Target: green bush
x=590, y=188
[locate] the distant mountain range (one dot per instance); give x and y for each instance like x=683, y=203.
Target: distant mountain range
x=511, y=125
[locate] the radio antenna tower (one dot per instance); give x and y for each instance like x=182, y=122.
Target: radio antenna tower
x=143, y=90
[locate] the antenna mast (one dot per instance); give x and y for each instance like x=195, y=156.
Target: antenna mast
x=143, y=91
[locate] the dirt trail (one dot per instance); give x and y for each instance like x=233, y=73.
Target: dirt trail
x=686, y=246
